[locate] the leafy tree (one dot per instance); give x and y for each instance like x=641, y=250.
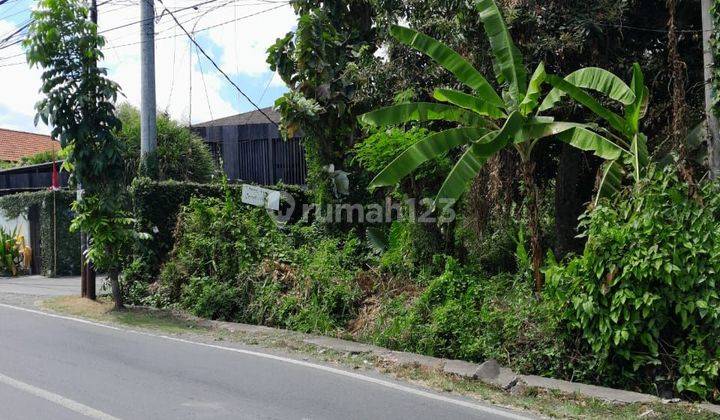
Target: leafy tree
x=489, y=122
x=180, y=155
x=79, y=105
x=319, y=62
x=565, y=36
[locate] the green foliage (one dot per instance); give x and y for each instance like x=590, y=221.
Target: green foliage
x=156, y=206
x=79, y=105
x=68, y=243
x=79, y=99
x=319, y=62
x=110, y=229
x=209, y=298
x=180, y=154
x=231, y=262
x=411, y=248
x=463, y=315
x=645, y=293
x=489, y=122
x=715, y=47
x=43, y=157
x=482, y=136
x=382, y=147
x=9, y=253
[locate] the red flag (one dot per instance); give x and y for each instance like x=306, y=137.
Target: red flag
x=55, y=178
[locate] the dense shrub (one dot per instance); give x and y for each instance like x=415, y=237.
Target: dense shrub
x=180, y=154
x=411, y=248
x=156, y=206
x=231, y=262
x=463, y=315
x=645, y=295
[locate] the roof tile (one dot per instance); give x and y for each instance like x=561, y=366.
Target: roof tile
x=18, y=144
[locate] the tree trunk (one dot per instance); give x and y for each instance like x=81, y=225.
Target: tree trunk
x=573, y=189
x=709, y=64
x=531, y=193
x=116, y=292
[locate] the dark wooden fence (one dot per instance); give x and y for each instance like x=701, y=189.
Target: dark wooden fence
x=256, y=153
x=29, y=178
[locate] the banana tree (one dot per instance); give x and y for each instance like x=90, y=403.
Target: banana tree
x=488, y=122
x=625, y=130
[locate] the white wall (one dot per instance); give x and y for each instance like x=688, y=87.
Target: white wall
x=18, y=225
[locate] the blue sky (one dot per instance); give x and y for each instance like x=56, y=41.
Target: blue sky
x=235, y=33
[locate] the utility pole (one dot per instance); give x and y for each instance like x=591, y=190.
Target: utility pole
x=709, y=66
x=148, y=123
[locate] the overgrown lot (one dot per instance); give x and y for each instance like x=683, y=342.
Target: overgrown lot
x=618, y=315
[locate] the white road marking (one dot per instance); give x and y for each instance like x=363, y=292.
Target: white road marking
x=376, y=381
x=56, y=399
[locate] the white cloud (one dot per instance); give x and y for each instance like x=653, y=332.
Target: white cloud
x=238, y=47
x=20, y=90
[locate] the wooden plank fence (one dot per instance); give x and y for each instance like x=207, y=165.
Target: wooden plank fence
x=256, y=153
x=30, y=178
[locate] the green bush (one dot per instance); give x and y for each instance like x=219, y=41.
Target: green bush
x=43, y=157
x=411, y=247
x=209, y=298
x=180, y=154
x=645, y=295
x=463, y=315
x=156, y=206
x=230, y=261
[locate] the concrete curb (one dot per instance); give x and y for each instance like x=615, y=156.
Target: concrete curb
x=489, y=372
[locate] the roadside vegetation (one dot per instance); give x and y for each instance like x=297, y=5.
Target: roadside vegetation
x=591, y=255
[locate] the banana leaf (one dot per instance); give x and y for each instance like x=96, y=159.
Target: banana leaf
x=421, y=111
x=426, y=149
x=450, y=60
x=470, y=163
x=616, y=121
x=596, y=79
x=508, y=60
x=530, y=101
x=473, y=103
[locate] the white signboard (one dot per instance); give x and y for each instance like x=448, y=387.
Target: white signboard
x=261, y=197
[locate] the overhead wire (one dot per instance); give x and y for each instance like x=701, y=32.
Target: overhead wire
x=217, y=67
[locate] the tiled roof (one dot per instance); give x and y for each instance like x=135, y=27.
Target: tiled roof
x=17, y=144
x=252, y=117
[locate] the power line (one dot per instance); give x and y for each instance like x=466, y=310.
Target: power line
x=216, y=65
x=267, y=86
x=125, y=25
x=283, y=4
x=202, y=75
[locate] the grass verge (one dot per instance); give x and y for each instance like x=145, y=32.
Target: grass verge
x=545, y=403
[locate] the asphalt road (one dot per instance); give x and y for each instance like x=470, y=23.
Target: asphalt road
x=58, y=368
x=43, y=286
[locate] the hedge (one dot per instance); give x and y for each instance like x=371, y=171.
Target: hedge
x=156, y=205
x=68, y=243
